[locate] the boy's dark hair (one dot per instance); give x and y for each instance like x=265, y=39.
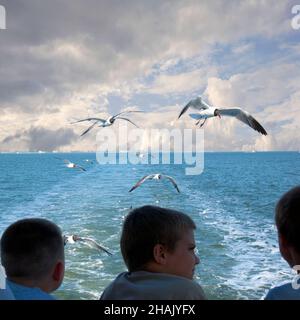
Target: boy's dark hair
x=287, y=217
x=147, y=226
x=30, y=248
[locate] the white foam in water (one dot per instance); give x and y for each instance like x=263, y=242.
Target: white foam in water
x=256, y=264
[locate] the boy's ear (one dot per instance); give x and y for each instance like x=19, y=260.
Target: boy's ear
x=159, y=254
x=58, y=272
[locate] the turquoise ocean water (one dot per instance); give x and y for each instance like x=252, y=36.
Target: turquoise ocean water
x=232, y=203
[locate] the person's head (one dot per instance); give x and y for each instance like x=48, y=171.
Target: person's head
x=32, y=253
x=159, y=240
x=287, y=218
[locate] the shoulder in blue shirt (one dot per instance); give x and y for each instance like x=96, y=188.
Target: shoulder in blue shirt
x=283, y=292
x=6, y=293
x=27, y=293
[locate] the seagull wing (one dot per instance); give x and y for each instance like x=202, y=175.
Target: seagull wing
x=90, y=119
x=65, y=239
x=193, y=104
x=184, y=110
x=128, y=121
x=93, y=243
x=68, y=239
x=173, y=182
x=79, y=167
x=89, y=128
x=141, y=181
x=196, y=116
x=245, y=117
x=67, y=161
x=118, y=114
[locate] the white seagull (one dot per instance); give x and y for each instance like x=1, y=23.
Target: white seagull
x=156, y=176
x=141, y=155
x=70, y=164
x=206, y=111
x=105, y=123
x=90, y=242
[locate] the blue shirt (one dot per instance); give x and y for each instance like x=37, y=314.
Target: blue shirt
x=27, y=293
x=6, y=294
x=283, y=292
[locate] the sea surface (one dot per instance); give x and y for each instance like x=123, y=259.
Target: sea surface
x=232, y=203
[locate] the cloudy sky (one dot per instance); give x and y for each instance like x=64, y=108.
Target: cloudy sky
x=65, y=60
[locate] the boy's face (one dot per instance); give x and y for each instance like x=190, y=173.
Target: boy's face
x=182, y=260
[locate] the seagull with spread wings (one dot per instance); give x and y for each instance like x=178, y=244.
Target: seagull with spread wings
x=88, y=241
x=206, y=111
x=105, y=122
x=70, y=164
x=156, y=176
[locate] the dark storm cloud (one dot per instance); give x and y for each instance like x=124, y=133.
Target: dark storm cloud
x=12, y=138
x=107, y=32
x=116, y=39
x=38, y=138
x=49, y=140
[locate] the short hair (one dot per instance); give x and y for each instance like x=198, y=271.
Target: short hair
x=30, y=248
x=147, y=226
x=287, y=217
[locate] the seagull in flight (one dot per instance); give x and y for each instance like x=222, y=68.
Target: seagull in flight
x=105, y=122
x=70, y=164
x=206, y=111
x=142, y=155
x=88, y=241
x=156, y=176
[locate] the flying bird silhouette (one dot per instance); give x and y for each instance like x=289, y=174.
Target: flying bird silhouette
x=206, y=111
x=156, y=176
x=105, y=122
x=70, y=164
x=88, y=241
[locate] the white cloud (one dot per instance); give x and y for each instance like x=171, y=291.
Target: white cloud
x=262, y=143
x=269, y=95
x=180, y=83
x=57, y=65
